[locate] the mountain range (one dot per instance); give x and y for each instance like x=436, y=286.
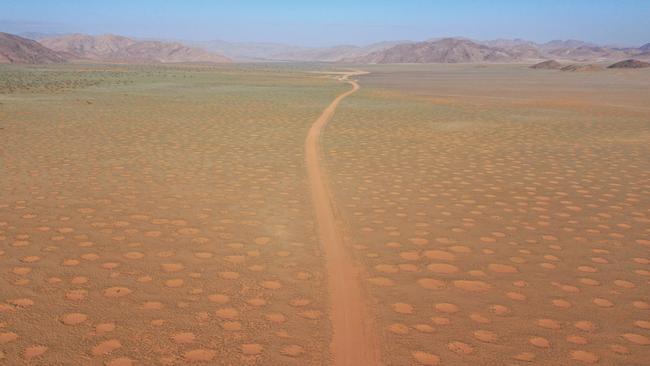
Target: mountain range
x=459, y=50
x=437, y=50
x=114, y=48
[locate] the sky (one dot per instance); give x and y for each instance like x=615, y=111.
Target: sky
x=330, y=22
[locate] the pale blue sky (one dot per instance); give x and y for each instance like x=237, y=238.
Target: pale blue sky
x=624, y=22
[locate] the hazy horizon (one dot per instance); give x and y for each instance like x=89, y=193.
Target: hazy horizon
x=624, y=23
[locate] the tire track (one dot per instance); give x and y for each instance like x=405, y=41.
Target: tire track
x=353, y=342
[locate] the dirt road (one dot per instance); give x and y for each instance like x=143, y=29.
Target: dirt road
x=354, y=342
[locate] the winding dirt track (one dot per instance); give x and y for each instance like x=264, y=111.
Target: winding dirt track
x=354, y=342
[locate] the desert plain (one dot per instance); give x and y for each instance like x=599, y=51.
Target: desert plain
x=305, y=214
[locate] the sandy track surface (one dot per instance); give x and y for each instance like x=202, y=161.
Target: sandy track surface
x=353, y=341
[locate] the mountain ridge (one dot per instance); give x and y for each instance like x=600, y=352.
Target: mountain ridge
x=115, y=48
x=462, y=50
x=16, y=49
x=446, y=50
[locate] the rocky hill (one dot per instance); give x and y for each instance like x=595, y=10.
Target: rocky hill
x=19, y=50
x=447, y=50
x=630, y=64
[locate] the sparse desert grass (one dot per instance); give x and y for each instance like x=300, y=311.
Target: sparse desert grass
x=35, y=79
x=502, y=214
x=161, y=219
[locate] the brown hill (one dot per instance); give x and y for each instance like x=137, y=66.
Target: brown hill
x=18, y=50
x=582, y=67
x=630, y=64
x=547, y=65
x=447, y=50
x=112, y=48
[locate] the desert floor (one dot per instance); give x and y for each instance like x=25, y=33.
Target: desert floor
x=248, y=214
